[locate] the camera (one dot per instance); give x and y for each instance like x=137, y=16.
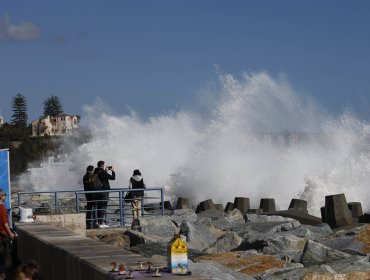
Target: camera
x=109, y=167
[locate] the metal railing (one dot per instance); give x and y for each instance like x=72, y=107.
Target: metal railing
x=118, y=211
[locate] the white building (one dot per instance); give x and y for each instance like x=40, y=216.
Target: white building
x=58, y=125
x=1, y=121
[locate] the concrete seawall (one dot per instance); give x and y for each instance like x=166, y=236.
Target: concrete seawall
x=63, y=254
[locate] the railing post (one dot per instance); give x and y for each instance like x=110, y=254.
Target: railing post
x=19, y=200
x=162, y=202
x=142, y=205
x=56, y=203
x=77, y=202
x=121, y=209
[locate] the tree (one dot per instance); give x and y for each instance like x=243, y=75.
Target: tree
x=19, y=108
x=52, y=106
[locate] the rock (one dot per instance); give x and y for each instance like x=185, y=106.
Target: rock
x=258, y=218
x=180, y=215
x=331, y=276
x=235, y=217
x=161, y=226
x=214, y=270
x=226, y=243
x=313, y=232
x=254, y=234
x=348, y=245
x=198, y=237
x=281, y=242
x=316, y=253
x=250, y=265
x=217, y=217
x=137, y=238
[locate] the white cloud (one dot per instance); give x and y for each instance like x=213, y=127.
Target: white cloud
x=23, y=31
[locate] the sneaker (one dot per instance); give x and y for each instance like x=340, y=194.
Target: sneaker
x=103, y=226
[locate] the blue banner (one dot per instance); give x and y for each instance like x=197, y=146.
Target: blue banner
x=5, y=178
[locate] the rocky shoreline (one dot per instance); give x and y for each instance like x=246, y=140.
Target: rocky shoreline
x=237, y=244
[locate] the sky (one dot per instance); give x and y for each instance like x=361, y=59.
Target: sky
x=159, y=56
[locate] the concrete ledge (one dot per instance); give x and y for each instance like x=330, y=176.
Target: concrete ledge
x=73, y=222
x=63, y=254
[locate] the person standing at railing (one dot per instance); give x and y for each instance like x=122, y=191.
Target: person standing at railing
x=102, y=198
x=136, y=182
x=90, y=197
x=6, y=236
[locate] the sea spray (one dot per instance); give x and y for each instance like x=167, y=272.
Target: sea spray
x=260, y=139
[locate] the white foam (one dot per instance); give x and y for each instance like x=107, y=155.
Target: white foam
x=261, y=139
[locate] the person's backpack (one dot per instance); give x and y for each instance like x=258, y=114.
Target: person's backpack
x=94, y=182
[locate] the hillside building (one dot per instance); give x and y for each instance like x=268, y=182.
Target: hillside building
x=1, y=121
x=58, y=125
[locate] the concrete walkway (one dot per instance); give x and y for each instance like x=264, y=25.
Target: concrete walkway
x=63, y=255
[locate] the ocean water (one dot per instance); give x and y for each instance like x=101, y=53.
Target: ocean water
x=256, y=137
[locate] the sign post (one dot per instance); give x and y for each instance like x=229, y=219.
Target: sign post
x=5, y=180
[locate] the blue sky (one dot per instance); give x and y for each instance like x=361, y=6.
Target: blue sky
x=156, y=56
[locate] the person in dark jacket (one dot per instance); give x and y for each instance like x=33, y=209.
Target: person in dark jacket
x=102, y=198
x=136, y=182
x=90, y=197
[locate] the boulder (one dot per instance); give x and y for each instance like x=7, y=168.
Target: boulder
x=198, y=237
x=225, y=243
x=254, y=234
x=217, y=217
x=313, y=232
x=157, y=225
x=180, y=215
x=316, y=254
x=284, y=242
x=235, y=217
